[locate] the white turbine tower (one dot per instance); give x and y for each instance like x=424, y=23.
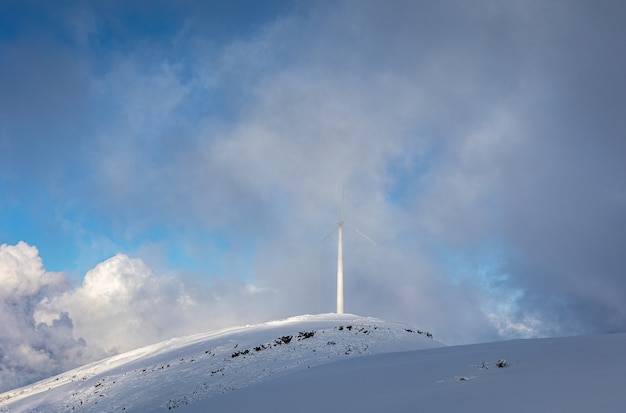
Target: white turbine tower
x=339, y=230
x=340, y=262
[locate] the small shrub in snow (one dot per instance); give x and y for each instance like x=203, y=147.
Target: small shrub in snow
x=220, y=370
x=240, y=353
x=305, y=334
x=172, y=404
x=283, y=340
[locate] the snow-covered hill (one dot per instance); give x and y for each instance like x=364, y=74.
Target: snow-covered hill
x=308, y=364
x=183, y=371
x=572, y=374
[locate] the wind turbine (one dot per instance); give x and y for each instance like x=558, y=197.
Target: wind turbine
x=339, y=230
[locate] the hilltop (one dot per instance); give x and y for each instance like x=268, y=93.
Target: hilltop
x=185, y=370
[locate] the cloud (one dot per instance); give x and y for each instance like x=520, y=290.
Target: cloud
x=29, y=350
x=122, y=304
x=48, y=326
x=455, y=130
x=484, y=116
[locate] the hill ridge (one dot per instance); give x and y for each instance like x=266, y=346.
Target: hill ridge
x=182, y=370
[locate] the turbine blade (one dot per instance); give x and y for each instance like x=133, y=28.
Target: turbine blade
x=329, y=234
x=360, y=233
x=343, y=195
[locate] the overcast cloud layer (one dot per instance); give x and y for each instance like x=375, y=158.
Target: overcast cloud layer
x=176, y=167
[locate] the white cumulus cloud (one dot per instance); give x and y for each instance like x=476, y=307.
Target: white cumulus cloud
x=49, y=326
x=29, y=350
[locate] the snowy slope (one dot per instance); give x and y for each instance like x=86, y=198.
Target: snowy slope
x=308, y=364
x=574, y=374
x=182, y=371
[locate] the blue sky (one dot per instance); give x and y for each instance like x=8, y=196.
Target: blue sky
x=47, y=143
x=480, y=144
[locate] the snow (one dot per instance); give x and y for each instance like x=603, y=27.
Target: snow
x=577, y=374
x=184, y=370
x=372, y=366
